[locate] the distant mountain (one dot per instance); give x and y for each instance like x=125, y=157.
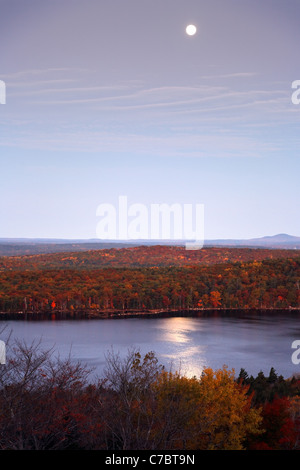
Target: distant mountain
x=31, y=246
x=282, y=240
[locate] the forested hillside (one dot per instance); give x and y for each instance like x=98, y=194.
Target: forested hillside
x=142, y=256
x=151, y=278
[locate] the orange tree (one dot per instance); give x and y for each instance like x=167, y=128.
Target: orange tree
x=212, y=413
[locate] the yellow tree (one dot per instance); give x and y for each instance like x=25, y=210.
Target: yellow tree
x=211, y=413
x=224, y=417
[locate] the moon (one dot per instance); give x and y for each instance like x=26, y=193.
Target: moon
x=191, y=30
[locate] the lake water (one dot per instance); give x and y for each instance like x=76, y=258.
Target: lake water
x=253, y=342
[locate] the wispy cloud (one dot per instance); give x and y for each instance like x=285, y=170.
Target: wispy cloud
x=230, y=75
x=128, y=97
x=200, y=119
x=26, y=74
x=178, y=143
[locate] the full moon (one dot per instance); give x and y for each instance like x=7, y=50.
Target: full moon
x=191, y=30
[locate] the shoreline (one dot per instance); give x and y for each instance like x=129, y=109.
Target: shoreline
x=158, y=313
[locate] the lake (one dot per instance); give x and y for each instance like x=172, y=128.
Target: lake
x=254, y=342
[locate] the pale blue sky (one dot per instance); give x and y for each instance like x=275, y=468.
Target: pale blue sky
x=111, y=97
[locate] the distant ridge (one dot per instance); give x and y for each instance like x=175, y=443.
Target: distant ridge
x=281, y=240
x=30, y=246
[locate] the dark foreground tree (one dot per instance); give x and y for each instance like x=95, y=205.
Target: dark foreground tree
x=130, y=408
x=46, y=403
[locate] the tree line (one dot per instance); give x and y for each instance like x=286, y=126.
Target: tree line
x=270, y=283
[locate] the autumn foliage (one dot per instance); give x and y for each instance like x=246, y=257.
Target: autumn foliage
x=150, y=278
x=48, y=404
x=51, y=404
